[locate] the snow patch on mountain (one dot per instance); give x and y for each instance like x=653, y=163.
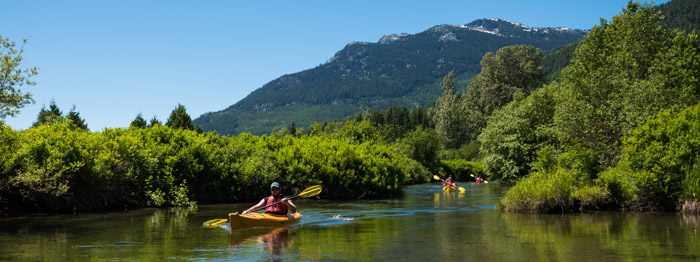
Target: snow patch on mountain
x=392, y=38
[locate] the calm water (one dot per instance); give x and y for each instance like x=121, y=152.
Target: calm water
x=424, y=224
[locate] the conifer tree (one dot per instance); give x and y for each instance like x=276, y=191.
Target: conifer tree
x=77, y=120
x=139, y=122
x=49, y=116
x=179, y=119
x=154, y=122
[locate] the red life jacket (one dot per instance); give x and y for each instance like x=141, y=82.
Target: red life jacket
x=279, y=209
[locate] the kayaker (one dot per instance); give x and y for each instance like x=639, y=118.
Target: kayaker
x=479, y=180
x=282, y=208
x=450, y=182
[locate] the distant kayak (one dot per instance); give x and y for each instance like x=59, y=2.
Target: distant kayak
x=448, y=189
x=262, y=220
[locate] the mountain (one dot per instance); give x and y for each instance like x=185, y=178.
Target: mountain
x=682, y=14
x=399, y=69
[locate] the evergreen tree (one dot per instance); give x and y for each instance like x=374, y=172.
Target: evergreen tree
x=154, y=122
x=179, y=119
x=49, y=116
x=77, y=120
x=139, y=122
x=419, y=117
x=376, y=117
x=291, y=129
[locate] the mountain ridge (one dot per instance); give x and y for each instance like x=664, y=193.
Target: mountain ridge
x=399, y=69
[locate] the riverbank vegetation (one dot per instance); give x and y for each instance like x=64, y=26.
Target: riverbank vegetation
x=60, y=167
x=616, y=130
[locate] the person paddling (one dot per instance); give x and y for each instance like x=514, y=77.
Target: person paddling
x=449, y=182
x=282, y=208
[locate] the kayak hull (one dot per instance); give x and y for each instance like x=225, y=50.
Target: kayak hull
x=262, y=220
x=448, y=189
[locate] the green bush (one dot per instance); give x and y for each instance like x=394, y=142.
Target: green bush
x=564, y=185
x=663, y=155
x=462, y=169
x=542, y=193
x=514, y=134
x=59, y=167
x=421, y=145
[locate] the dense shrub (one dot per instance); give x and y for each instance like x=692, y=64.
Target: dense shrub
x=556, y=190
x=59, y=167
x=462, y=169
x=662, y=157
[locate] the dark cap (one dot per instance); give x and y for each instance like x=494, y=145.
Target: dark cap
x=275, y=184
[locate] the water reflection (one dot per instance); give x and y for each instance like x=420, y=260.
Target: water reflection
x=604, y=235
x=424, y=224
x=447, y=198
x=272, y=240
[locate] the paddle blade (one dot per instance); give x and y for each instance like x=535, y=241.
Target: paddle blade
x=215, y=222
x=441, y=173
x=461, y=190
x=311, y=191
x=486, y=181
x=471, y=175
x=436, y=177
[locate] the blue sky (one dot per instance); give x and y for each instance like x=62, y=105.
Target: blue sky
x=116, y=59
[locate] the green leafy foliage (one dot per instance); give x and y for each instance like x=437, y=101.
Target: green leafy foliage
x=450, y=117
x=12, y=77
x=59, y=167
x=622, y=73
x=655, y=68
x=554, y=191
x=511, y=72
x=421, y=145
x=462, y=170
x=515, y=133
x=665, y=151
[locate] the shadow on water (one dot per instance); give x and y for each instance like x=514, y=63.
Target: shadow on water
x=423, y=224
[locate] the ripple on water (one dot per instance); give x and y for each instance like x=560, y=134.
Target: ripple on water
x=339, y=217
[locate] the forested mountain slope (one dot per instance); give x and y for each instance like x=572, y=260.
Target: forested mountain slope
x=400, y=69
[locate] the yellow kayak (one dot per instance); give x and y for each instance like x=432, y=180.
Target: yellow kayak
x=262, y=220
x=448, y=189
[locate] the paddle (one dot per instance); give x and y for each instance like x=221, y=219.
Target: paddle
x=485, y=182
x=309, y=192
x=461, y=189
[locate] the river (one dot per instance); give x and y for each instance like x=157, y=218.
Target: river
x=424, y=224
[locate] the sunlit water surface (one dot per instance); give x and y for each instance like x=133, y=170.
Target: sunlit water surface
x=424, y=224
